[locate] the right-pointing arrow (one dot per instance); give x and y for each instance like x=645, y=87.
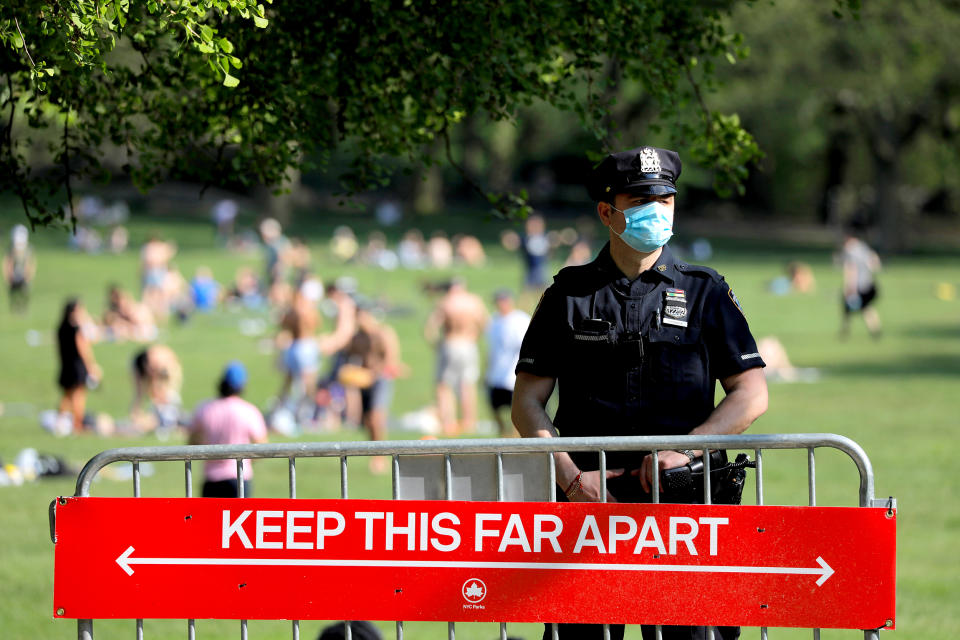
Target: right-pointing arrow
x=827, y=571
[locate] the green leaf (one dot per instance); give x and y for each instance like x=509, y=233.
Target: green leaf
x=225, y=45
x=260, y=22
x=230, y=81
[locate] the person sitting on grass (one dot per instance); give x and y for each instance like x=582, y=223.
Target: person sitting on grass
x=157, y=380
x=127, y=319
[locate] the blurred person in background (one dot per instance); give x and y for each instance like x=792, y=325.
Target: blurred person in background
x=469, y=250
x=377, y=253
x=302, y=347
x=155, y=257
x=127, y=319
x=276, y=257
x=343, y=244
x=298, y=343
x=797, y=278
x=157, y=378
x=371, y=363
x=412, y=250
x=204, y=290
x=78, y=367
x=299, y=259
x=534, y=247
x=19, y=268
x=228, y=420
x=801, y=277
x=245, y=289
x=580, y=254
x=504, y=337
x=224, y=215
x=454, y=327
x=439, y=250
x=335, y=402
x=860, y=265
x=118, y=239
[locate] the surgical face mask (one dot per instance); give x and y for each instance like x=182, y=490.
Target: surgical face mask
x=649, y=226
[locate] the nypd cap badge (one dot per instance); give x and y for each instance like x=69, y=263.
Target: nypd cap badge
x=649, y=160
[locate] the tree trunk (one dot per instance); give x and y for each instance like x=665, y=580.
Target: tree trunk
x=428, y=191
x=281, y=206
x=886, y=174
x=836, y=159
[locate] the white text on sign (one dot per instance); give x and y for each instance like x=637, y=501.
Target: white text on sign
x=500, y=532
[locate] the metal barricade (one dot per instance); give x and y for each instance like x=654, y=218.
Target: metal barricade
x=488, y=469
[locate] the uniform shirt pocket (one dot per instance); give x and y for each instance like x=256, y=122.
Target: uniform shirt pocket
x=592, y=358
x=676, y=355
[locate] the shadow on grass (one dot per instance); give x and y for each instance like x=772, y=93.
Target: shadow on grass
x=935, y=332
x=923, y=365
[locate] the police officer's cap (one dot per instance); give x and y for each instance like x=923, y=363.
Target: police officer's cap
x=644, y=170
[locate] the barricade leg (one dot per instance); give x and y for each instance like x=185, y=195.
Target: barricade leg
x=84, y=629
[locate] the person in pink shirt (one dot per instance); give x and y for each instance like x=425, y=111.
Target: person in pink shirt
x=228, y=420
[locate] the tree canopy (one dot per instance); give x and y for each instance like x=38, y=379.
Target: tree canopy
x=230, y=92
x=861, y=116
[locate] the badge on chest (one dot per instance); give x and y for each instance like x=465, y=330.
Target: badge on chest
x=675, y=307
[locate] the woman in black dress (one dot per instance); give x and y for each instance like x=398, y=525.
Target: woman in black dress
x=77, y=365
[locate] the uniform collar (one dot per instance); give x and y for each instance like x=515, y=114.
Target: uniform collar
x=664, y=269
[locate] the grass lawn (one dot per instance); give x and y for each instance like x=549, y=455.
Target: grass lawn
x=896, y=397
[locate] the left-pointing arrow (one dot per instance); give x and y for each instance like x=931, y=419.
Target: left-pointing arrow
x=122, y=560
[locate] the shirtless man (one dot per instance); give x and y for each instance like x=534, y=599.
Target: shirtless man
x=461, y=317
x=155, y=257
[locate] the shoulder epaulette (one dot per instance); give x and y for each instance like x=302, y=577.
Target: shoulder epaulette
x=683, y=267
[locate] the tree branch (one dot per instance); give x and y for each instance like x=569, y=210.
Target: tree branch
x=8, y=134
x=708, y=116
x=66, y=170
x=505, y=204
x=24, y=40
x=463, y=172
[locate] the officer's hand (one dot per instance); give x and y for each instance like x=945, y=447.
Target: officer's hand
x=590, y=487
x=667, y=460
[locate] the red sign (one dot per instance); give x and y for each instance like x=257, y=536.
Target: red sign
x=474, y=561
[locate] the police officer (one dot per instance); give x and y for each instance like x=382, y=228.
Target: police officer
x=637, y=340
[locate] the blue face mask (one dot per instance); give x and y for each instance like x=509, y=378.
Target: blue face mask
x=649, y=226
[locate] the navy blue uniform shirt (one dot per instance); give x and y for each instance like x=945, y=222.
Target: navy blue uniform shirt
x=624, y=362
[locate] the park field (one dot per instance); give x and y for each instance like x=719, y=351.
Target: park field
x=897, y=397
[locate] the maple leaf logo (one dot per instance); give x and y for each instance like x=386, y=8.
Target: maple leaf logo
x=474, y=590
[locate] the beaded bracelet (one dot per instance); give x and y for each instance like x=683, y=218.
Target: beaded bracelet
x=576, y=481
